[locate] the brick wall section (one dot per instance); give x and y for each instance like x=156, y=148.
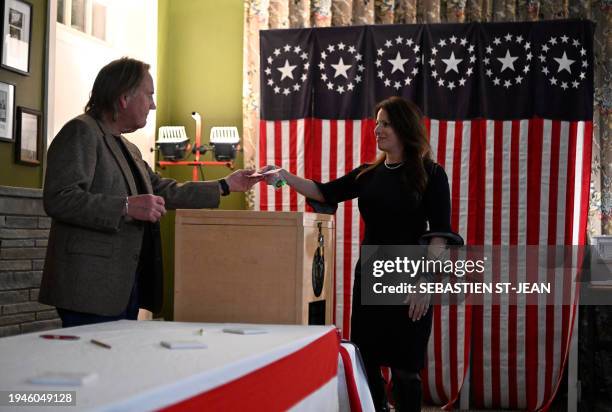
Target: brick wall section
x=24, y=229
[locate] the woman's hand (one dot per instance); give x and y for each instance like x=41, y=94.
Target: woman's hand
x=272, y=178
x=305, y=187
x=418, y=304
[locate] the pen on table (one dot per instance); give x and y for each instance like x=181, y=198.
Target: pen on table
x=59, y=337
x=102, y=344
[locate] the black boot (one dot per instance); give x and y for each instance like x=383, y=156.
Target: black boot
x=377, y=387
x=406, y=390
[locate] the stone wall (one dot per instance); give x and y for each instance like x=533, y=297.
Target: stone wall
x=24, y=229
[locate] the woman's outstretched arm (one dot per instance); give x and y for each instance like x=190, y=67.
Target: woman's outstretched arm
x=305, y=187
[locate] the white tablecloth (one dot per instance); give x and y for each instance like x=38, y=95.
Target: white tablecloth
x=139, y=374
x=352, y=374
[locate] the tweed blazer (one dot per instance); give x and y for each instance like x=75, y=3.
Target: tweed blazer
x=93, y=250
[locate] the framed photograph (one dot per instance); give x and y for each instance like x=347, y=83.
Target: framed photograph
x=7, y=111
x=28, y=136
x=16, y=35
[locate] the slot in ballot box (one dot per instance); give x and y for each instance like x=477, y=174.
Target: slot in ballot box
x=253, y=267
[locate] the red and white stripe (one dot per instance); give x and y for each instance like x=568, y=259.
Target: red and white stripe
x=519, y=182
x=303, y=380
x=448, y=350
x=528, y=185
x=321, y=150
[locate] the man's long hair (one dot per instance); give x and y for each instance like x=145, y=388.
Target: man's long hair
x=406, y=120
x=119, y=77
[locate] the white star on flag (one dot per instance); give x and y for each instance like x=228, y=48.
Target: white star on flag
x=564, y=63
x=507, y=61
x=398, y=63
x=452, y=63
x=286, y=70
x=341, y=68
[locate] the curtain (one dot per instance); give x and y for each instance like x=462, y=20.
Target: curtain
x=280, y=14
x=272, y=14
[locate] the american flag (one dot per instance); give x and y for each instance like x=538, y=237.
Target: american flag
x=508, y=108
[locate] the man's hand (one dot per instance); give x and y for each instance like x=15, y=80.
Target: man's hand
x=239, y=181
x=146, y=207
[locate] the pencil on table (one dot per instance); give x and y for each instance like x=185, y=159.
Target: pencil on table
x=101, y=344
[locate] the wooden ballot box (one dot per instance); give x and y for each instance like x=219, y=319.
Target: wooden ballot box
x=253, y=267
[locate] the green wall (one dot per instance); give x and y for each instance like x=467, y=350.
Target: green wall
x=29, y=92
x=199, y=69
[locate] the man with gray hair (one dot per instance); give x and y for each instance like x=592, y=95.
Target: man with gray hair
x=104, y=255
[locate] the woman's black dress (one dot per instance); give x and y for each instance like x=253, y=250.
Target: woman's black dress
x=393, y=215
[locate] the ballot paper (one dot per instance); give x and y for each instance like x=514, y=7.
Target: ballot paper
x=183, y=344
x=247, y=330
x=64, y=378
x=269, y=172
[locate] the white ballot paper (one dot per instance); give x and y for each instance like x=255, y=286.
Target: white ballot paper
x=245, y=330
x=183, y=344
x=64, y=378
x=269, y=172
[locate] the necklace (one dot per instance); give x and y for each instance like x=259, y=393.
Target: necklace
x=392, y=167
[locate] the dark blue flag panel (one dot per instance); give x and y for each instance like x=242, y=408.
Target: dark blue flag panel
x=452, y=71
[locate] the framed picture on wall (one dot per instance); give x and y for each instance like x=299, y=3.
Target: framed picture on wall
x=28, y=136
x=16, y=35
x=7, y=111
